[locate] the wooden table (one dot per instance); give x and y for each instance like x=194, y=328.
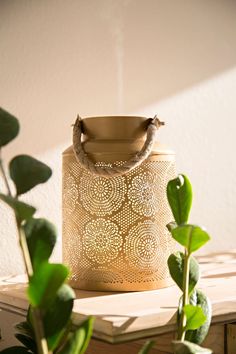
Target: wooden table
x=125, y=320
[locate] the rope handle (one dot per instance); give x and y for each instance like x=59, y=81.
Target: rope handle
x=107, y=171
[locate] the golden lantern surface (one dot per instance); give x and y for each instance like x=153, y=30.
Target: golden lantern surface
x=114, y=226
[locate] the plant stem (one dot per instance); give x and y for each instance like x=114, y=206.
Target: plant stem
x=36, y=313
x=185, y=294
x=24, y=248
x=3, y=173
x=41, y=341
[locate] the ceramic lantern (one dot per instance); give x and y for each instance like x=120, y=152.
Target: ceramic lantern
x=115, y=208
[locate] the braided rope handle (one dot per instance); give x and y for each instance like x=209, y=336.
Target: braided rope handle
x=107, y=171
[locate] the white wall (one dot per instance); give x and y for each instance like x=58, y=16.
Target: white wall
x=98, y=57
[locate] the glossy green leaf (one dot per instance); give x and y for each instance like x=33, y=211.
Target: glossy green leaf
x=197, y=336
x=27, y=172
x=78, y=341
x=15, y=350
x=41, y=239
x=176, y=269
x=190, y=236
x=28, y=342
x=146, y=348
x=185, y=347
x=179, y=194
x=194, y=315
x=22, y=210
x=45, y=283
x=58, y=315
x=9, y=127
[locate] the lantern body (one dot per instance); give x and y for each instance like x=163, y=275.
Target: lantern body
x=114, y=228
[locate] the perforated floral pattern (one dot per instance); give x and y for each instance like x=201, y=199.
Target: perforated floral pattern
x=70, y=192
x=101, y=196
x=116, y=227
x=143, y=246
x=102, y=241
x=143, y=193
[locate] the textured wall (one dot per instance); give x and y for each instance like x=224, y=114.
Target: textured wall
x=176, y=58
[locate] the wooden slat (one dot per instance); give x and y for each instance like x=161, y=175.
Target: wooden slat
x=8, y=320
x=214, y=340
x=231, y=338
x=131, y=316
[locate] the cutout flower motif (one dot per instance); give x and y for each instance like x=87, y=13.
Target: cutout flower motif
x=71, y=195
x=102, y=241
x=143, y=193
x=143, y=246
x=102, y=196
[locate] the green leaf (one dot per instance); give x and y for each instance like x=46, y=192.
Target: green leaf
x=9, y=127
x=27, y=172
x=29, y=317
x=198, y=335
x=176, y=269
x=28, y=342
x=190, y=236
x=147, y=346
x=58, y=315
x=25, y=328
x=186, y=347
x=41, y=239
x=195, y=316
x=22, y=210
x=78, y=341
x=57, y=339
x=171, y=226
x=45, y=282
x=15, y=350
x=179, y=194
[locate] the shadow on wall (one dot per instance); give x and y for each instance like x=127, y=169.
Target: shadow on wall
x=104, y=57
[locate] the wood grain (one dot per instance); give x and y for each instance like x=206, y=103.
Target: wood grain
x=231, y=338
x=214, y=340
x=122, y=317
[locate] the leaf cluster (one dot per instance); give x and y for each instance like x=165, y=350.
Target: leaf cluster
x=48, y=328
x=194, y=312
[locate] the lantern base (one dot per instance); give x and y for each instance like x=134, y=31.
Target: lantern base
x=123, y=287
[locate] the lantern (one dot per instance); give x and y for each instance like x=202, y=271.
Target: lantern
x=115, y=208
